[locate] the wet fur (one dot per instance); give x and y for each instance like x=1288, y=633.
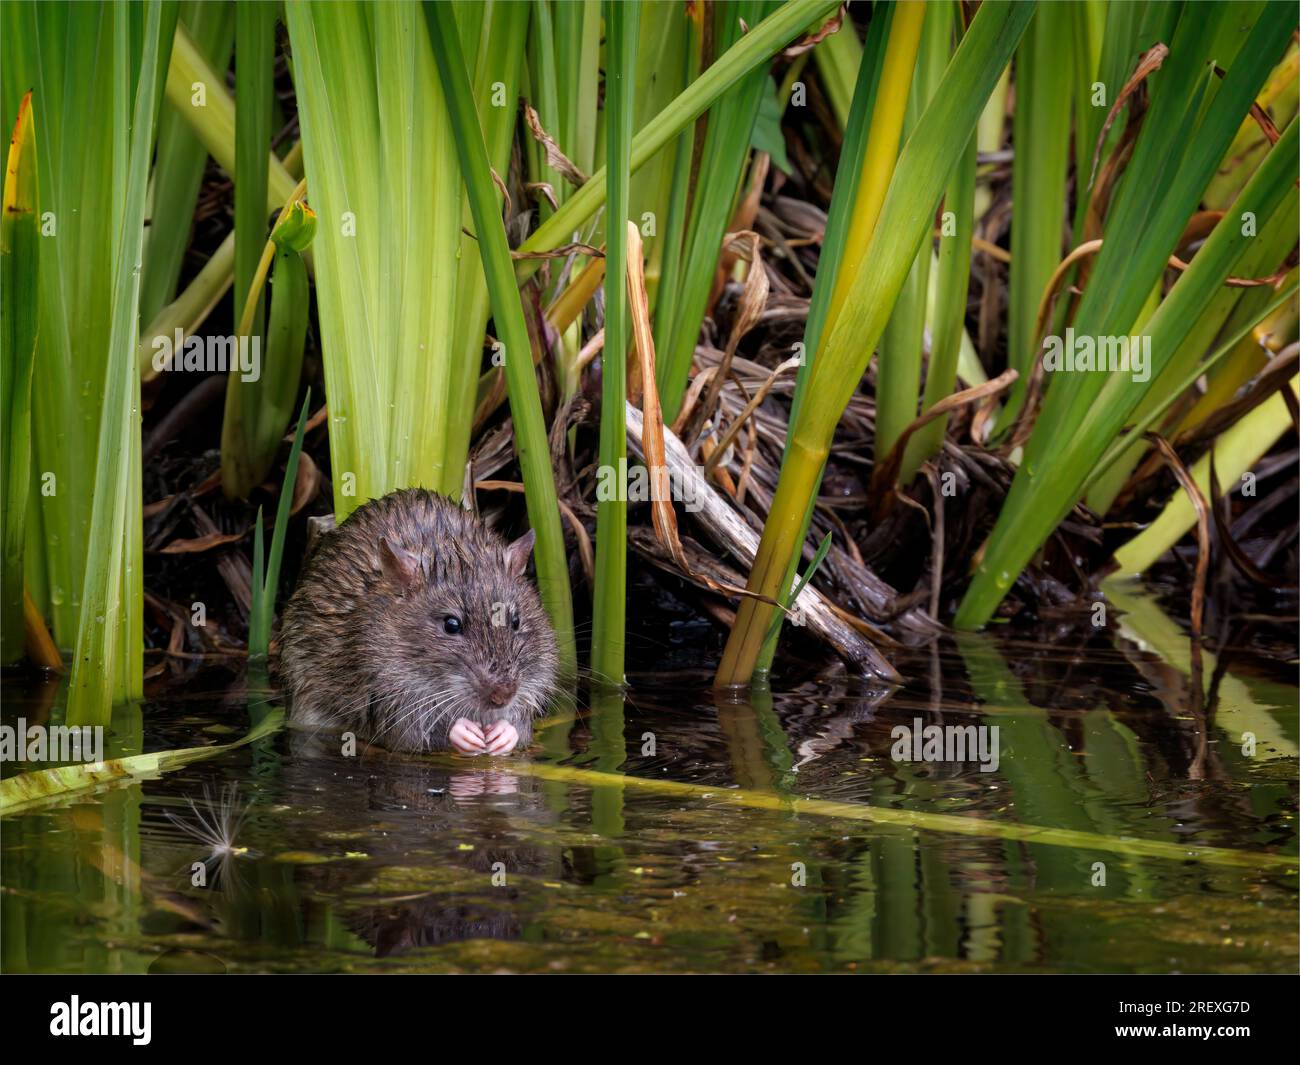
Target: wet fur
x=365, y=650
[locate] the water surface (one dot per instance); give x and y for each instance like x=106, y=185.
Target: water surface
x=669, y=830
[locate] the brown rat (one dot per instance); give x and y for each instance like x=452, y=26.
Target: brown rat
x=414, y=626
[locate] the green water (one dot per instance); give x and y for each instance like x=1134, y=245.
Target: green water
x=693, y=850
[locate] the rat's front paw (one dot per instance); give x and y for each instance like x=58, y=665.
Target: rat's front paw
x=467, y=737
x=501, y=738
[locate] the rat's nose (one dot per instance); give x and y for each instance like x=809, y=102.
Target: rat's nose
x=500, y=693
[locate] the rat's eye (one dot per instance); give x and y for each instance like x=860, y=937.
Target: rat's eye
x=514, y=618
x=451, y=624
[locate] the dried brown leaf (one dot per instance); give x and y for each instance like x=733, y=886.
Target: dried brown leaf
x=555, y=159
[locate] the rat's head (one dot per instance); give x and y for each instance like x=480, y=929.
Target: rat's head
x=464, y=634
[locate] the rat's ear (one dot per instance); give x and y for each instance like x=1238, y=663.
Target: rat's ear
x=517, y=554
x=398, y=565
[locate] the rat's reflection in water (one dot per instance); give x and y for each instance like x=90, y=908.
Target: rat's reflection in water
x=473, y=784
x=474, y=819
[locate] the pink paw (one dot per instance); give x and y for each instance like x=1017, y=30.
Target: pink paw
x=467, y=737
x=501, y=738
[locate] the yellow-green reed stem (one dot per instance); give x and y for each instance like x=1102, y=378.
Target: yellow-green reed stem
x=859, y=157
x=199, y=93
x=838, y=59
x=667, y=61
x=82, y=134
x=500, y=31
x=542, y=93
x=1044, y=83
x=946, y=331
x=989, y=135
x=898, y=368
x=192, y=306
x=1278, y=98
x=257, y=419
x=391, y=201
x=673, y=234
x=27, y=790
x=109, y=662
x=1234, y=452
x=1242, y=341
x=1266, y=333
x=904, y=225
x=1222, y=315
x=898, y=365
x=577, y=68
x=19, y=269
x=913, y=820
x=1182, y=142
x=178, y=166
x=1087, y=32
x=521, y=380
x=757, y=46
x=609, y=621
x=262, y=613
x=887, y=118
x=257, y=411
x=722, y=160
x=254, y=94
